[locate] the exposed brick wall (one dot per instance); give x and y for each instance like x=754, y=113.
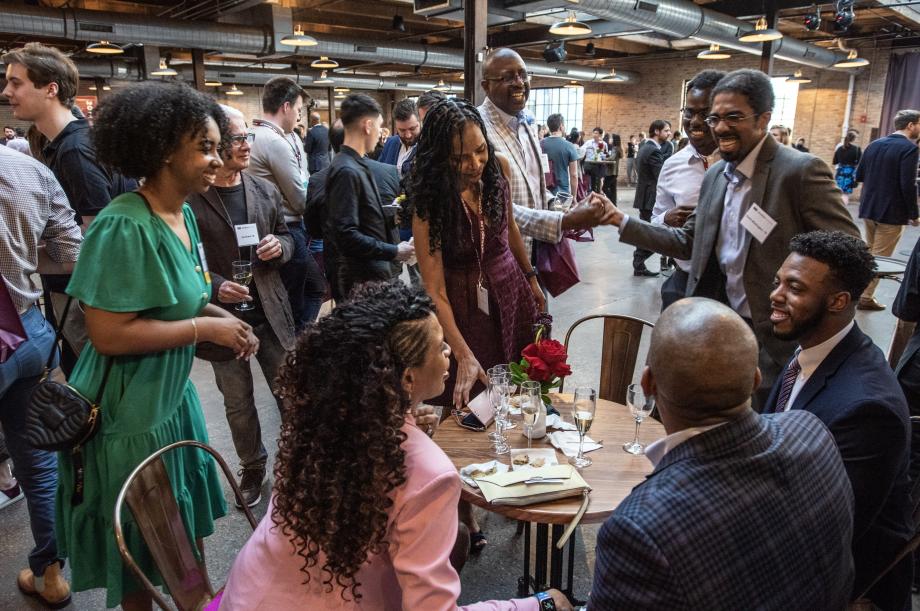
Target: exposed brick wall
x=820, y=106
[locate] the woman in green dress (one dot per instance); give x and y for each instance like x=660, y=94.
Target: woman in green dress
x=144, y=284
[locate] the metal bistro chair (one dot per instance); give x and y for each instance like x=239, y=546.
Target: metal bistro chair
x=621, y=338
x=151, y=500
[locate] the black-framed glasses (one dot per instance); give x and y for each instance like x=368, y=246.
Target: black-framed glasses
x=689, y=113
x=508, y=78
x=731, y=119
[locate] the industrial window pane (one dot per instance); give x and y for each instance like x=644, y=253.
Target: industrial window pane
x=549, y=100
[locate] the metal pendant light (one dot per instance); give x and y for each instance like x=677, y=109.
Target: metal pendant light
x=761, y=33
x=570, y=27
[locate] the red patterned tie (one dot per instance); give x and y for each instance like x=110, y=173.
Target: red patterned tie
x=789, y=376
x=705, y=162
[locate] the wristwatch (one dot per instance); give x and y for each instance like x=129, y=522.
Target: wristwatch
x=546, y=601
x=533, y=273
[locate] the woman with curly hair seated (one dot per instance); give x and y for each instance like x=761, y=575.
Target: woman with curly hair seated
x=144, y=285
x=363, y=514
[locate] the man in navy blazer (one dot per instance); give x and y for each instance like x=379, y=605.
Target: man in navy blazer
x=888, y=171
x=742, y=511
x=840, y=376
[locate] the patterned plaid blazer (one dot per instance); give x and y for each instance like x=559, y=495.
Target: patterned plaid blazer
x=531, y=212
x=754, y=514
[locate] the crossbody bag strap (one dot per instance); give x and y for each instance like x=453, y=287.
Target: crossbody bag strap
x=58, y=335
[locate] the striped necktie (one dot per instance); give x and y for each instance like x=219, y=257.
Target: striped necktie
x=789, y=376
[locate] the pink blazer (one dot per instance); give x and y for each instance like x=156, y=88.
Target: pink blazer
x=415, y=573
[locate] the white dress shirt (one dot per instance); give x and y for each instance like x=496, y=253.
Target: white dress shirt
x=656, y=451
x=679, y=185
x=811, y=358
x=734, y=240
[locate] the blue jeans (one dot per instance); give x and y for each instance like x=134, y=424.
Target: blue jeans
x=305, y=283
x=35, y=469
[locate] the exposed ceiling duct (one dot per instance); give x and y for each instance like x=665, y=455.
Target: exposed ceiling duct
x=125, y=28
x=684, y=19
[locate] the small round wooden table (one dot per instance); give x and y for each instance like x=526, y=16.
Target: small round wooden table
x=612, y=476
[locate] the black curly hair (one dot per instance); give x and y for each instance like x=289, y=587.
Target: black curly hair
x=339, y=453
x=138, y=128
x=852, y=266
x=433, y=192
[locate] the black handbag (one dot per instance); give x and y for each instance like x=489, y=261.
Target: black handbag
x=59, y=418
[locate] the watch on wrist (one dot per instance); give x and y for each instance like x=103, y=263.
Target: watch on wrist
x=546, y=601
x=532, y=273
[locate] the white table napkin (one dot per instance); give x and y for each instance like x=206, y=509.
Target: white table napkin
x=468, y=470
x=555, y=421
x=567, y=443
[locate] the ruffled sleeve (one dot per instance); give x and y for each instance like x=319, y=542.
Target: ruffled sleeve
x=120, y=268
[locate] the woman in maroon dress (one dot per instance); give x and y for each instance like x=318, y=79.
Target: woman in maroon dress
x=470, y=252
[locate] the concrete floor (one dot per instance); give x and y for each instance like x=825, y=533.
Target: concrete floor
x=607, y=287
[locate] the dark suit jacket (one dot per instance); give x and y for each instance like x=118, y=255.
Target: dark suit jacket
x=390, y=153
x=888, y=171
x=363, y=234
x=906, y=306
x=796, y=189
x=648, y=166
x=753, y=514
x=264, y=208
x=316, y=146
x=855, y=394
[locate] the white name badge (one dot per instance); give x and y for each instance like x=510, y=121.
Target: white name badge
x=758, y=223
x=544, y=162
x=246, y=235
x=482, y=298
x=204, y=263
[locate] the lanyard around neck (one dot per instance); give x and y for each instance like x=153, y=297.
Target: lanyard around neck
x=481, y=251
x=277, y=130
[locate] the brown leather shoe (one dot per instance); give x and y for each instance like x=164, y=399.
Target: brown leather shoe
x=870, y=304
x=51, y=588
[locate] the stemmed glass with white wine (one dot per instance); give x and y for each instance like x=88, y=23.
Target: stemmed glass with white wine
x=640, y=405
x=531, y=404
x=242, y=274
x=583, y=410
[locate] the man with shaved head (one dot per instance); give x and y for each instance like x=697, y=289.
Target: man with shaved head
x=742, y=510
x=506, y=83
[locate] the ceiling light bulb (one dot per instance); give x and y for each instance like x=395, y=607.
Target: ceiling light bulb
x=852, y=61
x=797, y=78
x=104, y=47
x=341, y=89
x=441, y=86
x=760, y=33
x=612, y=77
x=323, y=79
x=713, y=52
x=573, y=85
x=299, y=39
x=213, y=83
x=163, y=70
x=570, y=27
x=324, y=62
x=233, y=91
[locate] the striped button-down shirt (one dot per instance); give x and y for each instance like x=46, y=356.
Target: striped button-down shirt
x=33, y=207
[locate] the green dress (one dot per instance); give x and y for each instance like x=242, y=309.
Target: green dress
x=131, y=261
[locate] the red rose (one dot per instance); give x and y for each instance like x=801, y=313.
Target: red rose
x=561, y=370
x=552, y=351
x=538, y=371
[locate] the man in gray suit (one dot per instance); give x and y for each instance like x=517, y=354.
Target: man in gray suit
x=751, y=204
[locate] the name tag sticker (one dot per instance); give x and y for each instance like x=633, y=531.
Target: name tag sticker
x=482, y=298
x=246, y=235
x=758, y=223
x=204, y=263
x=544, y=162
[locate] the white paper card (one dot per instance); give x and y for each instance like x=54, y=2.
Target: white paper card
x=246, y=235
x=544, y=162
x=482, y=298
x=758, y=223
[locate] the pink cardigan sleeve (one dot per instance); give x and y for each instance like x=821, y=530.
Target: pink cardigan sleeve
x=421, y=540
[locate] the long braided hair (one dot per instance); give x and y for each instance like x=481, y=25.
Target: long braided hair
x=433, y=186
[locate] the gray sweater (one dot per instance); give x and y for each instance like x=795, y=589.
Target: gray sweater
x=277, y=160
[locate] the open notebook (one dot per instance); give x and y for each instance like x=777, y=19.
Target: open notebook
x=529, y=487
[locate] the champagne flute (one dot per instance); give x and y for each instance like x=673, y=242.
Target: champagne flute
x=242, y=274
x=640, y=405
x=583, y=410
x=531, y=403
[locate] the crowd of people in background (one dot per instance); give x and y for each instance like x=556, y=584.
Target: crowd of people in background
x=176, y=228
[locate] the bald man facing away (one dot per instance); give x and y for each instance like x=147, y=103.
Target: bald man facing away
x=743, y=510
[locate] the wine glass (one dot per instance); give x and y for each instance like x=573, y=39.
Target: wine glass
x=242, y=274
x=507, y=423
x=640, y=405
x=583, y=410
x=498, y=384
x=531, y=403
x=563, y=201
